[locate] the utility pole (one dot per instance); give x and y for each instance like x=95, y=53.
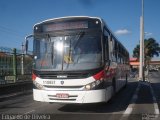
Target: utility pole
x=22, y=60
x=141, y=65
x=14, y=64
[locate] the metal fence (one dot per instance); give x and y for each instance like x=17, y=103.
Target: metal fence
x=14, y=67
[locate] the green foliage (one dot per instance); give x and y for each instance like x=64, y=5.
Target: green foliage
x=151, y=49
x=136, y=51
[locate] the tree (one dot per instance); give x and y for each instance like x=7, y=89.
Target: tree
x=151, y=49
x=136, y=52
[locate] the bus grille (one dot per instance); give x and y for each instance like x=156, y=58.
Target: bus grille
x=68, y=76
x=70, y=98
x=67, y=87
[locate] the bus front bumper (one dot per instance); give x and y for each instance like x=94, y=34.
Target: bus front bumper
x=90, y=96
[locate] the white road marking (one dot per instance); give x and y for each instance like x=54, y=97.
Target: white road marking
x=129, y=109
x=30, y=112
x=156, y=109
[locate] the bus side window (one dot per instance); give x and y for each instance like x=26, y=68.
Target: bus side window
x=106, y=39
x=113, y=51
x=119, y=54
x=116, y=51
x=106, y=48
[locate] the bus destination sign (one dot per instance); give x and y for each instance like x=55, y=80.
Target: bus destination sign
x=65, y=26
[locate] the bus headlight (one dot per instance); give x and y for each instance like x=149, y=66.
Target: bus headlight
x=93, y=85
x=38, y=86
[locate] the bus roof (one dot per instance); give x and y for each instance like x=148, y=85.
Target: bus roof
x=68, y=17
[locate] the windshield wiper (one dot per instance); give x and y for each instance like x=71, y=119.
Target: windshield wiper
x=80, y=35
x=49, y=40
x=77, y=38
x=52, y=48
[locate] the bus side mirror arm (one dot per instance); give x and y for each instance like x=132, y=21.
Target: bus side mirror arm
x=108, y=65
x=26, y=43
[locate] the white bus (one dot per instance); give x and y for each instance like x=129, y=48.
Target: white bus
x=77, y=60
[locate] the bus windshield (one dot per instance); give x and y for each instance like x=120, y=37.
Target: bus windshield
x=67, y=53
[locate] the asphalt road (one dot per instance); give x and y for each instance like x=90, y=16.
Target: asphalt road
x=147, y=104
x=154, y=78
x=112, y=110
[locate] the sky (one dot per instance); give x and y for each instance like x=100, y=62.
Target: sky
x=17, y=18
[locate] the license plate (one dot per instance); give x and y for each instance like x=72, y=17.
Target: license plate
x=62, y=95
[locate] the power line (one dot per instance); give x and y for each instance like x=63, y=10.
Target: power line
x=9, y=31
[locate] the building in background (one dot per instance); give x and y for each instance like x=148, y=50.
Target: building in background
x=153, y=65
